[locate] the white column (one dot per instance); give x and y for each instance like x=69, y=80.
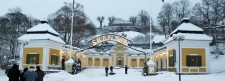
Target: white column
x=115, y=59
x=45, y=59
x=181, y=66
x=101, y=61
x=138, y=60
x=207, y=54
x=129, y=61
x=21, y=56
x=124, y=62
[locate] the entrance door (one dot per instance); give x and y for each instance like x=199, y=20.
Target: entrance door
x=119, y=61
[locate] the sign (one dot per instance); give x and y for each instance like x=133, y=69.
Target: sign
x=110, y=37
x=174, y=55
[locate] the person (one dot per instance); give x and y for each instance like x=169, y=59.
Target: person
x=111, y=69
x=40, y=73
x=30, y=75
x=63, y=63
x=126, y=69
x=14, y=73
x=22, y=74
x=106, y=70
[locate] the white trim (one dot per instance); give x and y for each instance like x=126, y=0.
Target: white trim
x=193, y=55
x=32, y=53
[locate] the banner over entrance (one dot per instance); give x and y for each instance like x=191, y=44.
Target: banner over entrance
x=110, y=37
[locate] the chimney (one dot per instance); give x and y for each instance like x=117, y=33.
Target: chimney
x=185, y=20
x=43, y=21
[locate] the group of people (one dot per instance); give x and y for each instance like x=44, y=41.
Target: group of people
x=27, y=74
x=111, y=70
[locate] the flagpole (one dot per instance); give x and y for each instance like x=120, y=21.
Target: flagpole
x=71, y=34
x=150, y=54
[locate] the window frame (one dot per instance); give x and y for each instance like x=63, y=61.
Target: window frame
x=30, y=56
x=193, y=60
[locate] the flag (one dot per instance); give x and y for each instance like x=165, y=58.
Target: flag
x=163, y=1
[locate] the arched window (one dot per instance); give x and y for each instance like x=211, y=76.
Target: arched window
x=32, y=58
x=193, y=60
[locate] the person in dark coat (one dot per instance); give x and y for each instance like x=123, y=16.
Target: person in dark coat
x=40, y=73
x=111, y=69
x=22, y=74
x=14, y=73
x=106, y=70
x=126, y=68
x=30, y=75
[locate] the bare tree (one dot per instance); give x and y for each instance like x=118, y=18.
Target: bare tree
x=61, y=21
x=181, y=9
x=165, y=18
x=210, y=13
x=133, y=19
x=111, y=20
x=100, y=19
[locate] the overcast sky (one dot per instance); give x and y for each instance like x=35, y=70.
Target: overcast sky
x=119, y=8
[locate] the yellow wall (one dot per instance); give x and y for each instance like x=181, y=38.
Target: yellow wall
x=170, y=52
x=97, y=62
x=133, y=62
x=54, y=51
x=33, y=50
x=67, y=55
x=90, y=61
x=105, y=62
x=200, y=51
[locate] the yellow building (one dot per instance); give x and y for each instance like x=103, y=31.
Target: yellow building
x=119, y=55
x=40, y=46
x=193, y=51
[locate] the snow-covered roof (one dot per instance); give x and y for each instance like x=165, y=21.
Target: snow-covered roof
x=187, y=27
x=122, y=22
x=41, y=37
x=43, y=27
x=132, y=51
x=190, y=36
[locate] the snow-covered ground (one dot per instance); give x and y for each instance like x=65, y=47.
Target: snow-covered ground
x=218, y=65
x=98, y=74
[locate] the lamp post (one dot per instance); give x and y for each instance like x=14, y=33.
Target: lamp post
x=179, y=37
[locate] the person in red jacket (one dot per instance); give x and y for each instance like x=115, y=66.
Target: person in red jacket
x=40, y=73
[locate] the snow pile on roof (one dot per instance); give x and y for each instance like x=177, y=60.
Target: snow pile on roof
x=43, y=27
x=192, y=37
x=94, y=51
x=131, y=34
x=41, y=37
x=69, y=61
x=132, y=51
x=187, y=27
x=150, y=63
x=158, y=38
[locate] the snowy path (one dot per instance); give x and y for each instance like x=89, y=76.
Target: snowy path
x=133, y=75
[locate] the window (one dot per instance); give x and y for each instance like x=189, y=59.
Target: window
x=32, y=59
x=193, y=60
x=119, y=48
x=54, y=59
x=171, y=61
